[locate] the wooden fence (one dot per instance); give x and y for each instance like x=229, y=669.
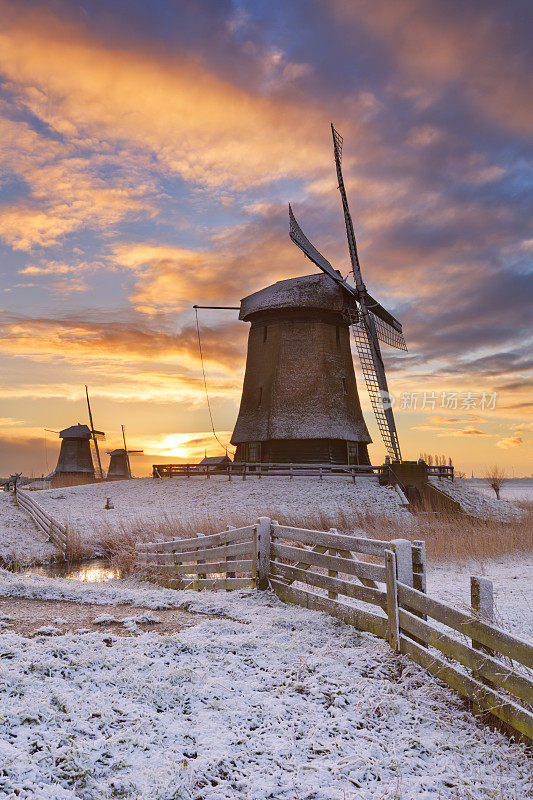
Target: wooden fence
x=226, y=560
x=56, y=532
x=326, y=571
x=246, y=470
x=241, y=469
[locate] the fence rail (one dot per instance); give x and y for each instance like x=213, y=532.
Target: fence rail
x=441, y=471
x=246, y=470
x=56, y=532
x=327, y=571
x=229, y=559
x=256, y=469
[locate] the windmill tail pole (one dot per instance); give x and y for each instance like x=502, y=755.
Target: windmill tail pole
x=93, y=433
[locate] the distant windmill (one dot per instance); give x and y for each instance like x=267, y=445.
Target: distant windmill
x=119, y=463
x=75, y=463
x=370, y=325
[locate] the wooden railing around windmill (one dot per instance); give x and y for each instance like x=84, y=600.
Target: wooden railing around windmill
x=255, y=469
x=327, y=571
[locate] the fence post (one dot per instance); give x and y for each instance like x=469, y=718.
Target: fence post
x=419, y=579
x=403, y=550
x=482, y=603
x=263, y=530
x=392, y=600
x=230, y=558
x=201, y=575
x=244, y=472
x=419, y=566
x=331, y=572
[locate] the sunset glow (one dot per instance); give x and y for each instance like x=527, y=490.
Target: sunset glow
x=149, y=151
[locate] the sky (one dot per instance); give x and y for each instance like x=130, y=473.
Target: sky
x=149, y=150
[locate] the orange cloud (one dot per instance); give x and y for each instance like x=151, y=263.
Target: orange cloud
x=510, y=442
x=436, y=46
x=455, y=420
x=522, y=427
x=115, y=342
x=172, y=278
x=198, y=125
x=65, y=192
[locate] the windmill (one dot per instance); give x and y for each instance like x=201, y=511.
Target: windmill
x=74, y=463
x=370, y=324
x=119, y=463
x=95, y=436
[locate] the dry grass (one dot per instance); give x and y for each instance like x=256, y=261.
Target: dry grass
x=457, y=538
x=448, y=536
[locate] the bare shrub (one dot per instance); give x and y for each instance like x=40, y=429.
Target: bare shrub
x=495, y=477
x=77, y=547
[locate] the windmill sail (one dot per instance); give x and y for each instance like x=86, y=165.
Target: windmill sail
x=366, y=333
x=96, y=436
x=389, y=330
x=372, y=325
x=300, y=239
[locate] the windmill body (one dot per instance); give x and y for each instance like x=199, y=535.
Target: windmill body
x=118, y=469
x=75, y=462
x=119, y=464
x=299, y=401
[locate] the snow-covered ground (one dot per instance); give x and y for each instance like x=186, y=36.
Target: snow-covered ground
x=478, y=503
x=516, y=489
x=513, y=589
x=263, y=701
x=145, y=500
x=20, y=539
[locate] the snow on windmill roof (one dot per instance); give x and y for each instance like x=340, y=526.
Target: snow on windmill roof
x=76, y=432
x=214, y=460
x=311, y=291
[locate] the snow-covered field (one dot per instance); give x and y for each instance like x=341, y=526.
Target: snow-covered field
x=145, y=500
x=263, y=701
x=513, y=589
x=476, y=503
x=20, y=539
x=513, y=490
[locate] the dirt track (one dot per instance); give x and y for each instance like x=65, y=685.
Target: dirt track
x=27, y=616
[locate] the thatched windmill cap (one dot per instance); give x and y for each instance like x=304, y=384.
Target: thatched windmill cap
x=76, y=432
x=317, y=292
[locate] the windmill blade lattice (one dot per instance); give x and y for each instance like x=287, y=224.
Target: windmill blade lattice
x=387, y=334
x=371, y=370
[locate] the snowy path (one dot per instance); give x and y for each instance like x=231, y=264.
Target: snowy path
x=20, y=539
x=277, y=702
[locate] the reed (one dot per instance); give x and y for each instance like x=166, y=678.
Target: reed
x=448, y=536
